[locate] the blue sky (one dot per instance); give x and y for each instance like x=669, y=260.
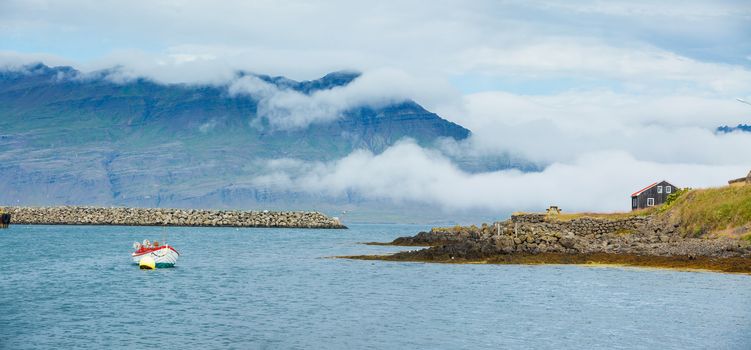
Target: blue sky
x=629, y=90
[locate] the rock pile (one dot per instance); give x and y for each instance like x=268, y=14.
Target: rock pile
x=70, y=215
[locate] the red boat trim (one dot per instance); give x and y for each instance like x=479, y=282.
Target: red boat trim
x=143, y=251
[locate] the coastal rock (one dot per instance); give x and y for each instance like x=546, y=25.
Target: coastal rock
x=535, y=234
x=567, y=241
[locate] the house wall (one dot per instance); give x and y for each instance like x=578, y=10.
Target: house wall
x=652, y=193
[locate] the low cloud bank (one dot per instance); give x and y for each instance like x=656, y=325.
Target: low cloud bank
x=560, y=128
x=598, y=181
x=595, y=148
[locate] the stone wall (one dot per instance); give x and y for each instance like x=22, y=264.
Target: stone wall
x=539, y=233
x=582, y=226
x=68, y=215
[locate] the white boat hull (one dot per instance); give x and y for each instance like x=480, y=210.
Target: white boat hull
x=163, y=257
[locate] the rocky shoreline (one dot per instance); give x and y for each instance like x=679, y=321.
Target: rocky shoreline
x=72, y=215
x=538, y=238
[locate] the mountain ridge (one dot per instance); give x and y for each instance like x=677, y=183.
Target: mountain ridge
x=75, y=138
x=728, y=129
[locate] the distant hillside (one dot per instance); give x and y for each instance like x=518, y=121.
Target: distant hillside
x=740, y=127
x=72, y=138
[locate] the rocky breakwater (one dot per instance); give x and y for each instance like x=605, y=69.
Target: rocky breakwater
x=69, y=215
x=537, y=238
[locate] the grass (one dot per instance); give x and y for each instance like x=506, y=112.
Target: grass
x=723, y=210
x=625, y=231
x=610, y=216
x=711, y=210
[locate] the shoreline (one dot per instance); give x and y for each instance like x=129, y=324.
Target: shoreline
x=541, y=239
x=736, y=265
x=170, y=217
x=392, y=244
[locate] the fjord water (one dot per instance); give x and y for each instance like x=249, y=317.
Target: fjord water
x=75, y=287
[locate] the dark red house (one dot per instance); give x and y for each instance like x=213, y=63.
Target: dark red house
x=654, y=194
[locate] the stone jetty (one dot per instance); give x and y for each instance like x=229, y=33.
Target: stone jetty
x=73, y=215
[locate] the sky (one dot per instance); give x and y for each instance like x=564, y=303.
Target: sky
x=605, y=96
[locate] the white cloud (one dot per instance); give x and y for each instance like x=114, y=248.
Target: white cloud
x=681, y=9
x=207, y=126
x=596, y=148
x=550, y=128
x=11, y=60
x=598, y=181
x=641, y=66
x=206, y=41
x=289, y=109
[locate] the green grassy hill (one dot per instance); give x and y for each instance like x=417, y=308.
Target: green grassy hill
x=724, y=211
x=709, y=212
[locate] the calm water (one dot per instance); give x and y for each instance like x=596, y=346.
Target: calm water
x=72, y=287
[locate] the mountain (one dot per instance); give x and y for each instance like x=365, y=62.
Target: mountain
x=727, y=129
x=73, y=138
x=71, y=110
x=328, y=81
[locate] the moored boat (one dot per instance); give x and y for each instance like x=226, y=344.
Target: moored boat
x=163, y=255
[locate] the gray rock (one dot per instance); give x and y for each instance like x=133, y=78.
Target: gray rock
x=567, y=241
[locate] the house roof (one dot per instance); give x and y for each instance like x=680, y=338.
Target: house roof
x=650, y=186
x=644, y=189
x=741, y=179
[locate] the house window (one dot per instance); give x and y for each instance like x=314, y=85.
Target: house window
x=650, y=202
x=634, y=202
x=659, y=189
x=668, y=189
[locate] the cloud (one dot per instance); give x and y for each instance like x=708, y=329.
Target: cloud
x=302, y=40
x=11, y=60
x=290, y=109
x=636, y=67
x=595, y=148
x=207, y=126
x=682, y=9
x=561, y=127
x=406, y=172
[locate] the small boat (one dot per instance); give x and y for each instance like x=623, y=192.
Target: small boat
x=163, y=255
